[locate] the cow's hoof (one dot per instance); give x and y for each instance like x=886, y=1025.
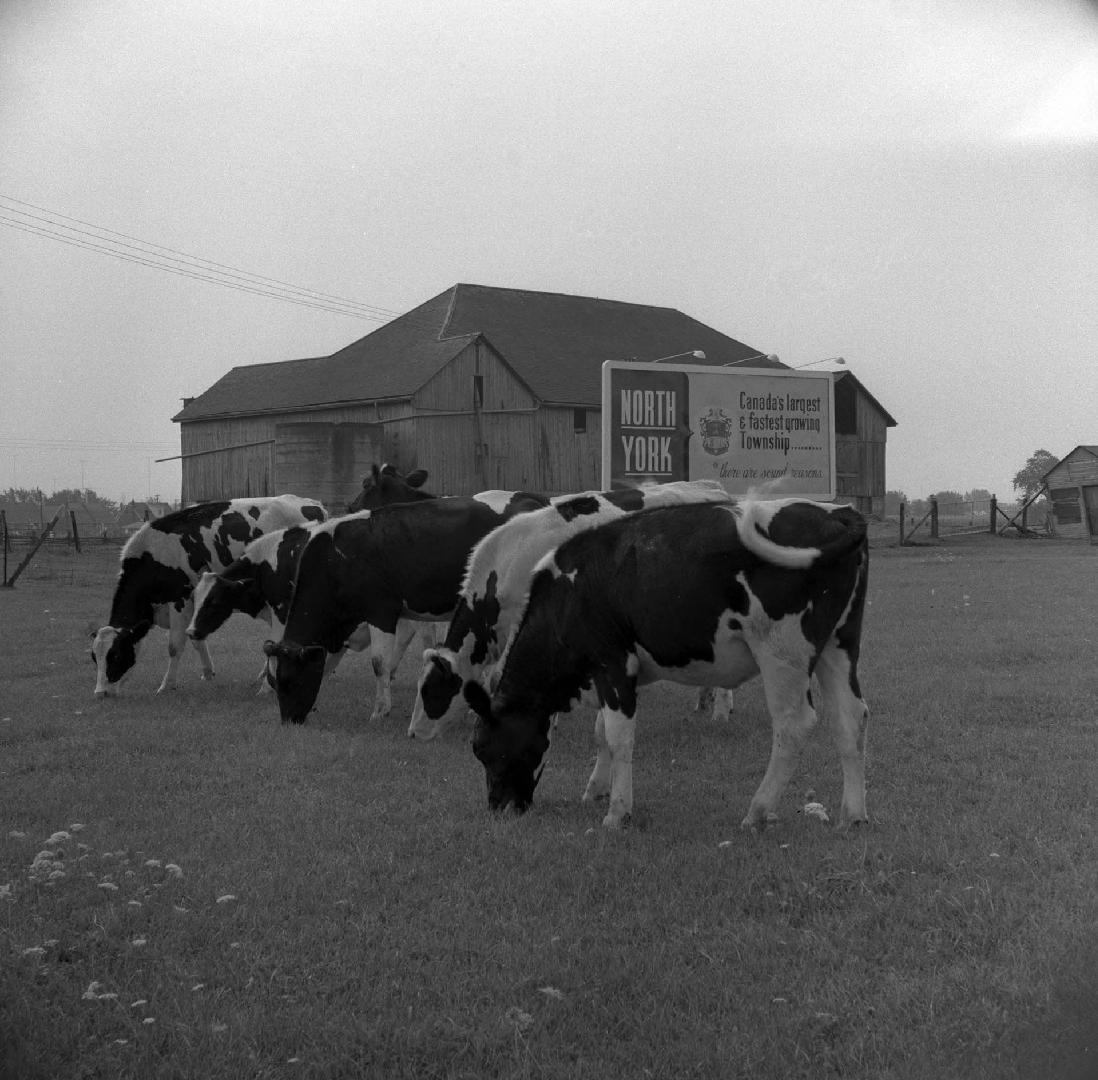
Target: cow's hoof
x=595, y=793
x=617, y=821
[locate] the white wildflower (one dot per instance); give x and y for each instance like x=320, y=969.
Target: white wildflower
x=149, y=1020
x=139, y=941
x=34, y=950
x=76, y=826
x=15, y=834
x=173, y=870
x=139, y=1001
x=226, y=899
x=153, y=862
x=59, y=838
x=518, y=1019
x=816, y=810
x=109, y=886
x=5, y=892
x=551, y=992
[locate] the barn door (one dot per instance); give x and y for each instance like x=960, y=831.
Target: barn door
x=1090, y=501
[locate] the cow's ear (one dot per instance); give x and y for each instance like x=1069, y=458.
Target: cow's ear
x=92, y=629
x=440, y=662
x=416, y=478
x=271, y=648
x=476, y=697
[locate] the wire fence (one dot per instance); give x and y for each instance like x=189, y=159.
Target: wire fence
x=936, y=519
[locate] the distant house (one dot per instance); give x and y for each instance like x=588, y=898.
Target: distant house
x=1072, y=485
x=483, y=387
x=134, y=514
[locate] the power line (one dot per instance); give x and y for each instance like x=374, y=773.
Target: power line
x=186, y=265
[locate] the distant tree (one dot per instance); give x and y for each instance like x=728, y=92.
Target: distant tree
x=978, y=496
x=1027, y=480
x=892, y=502
x=947, y=498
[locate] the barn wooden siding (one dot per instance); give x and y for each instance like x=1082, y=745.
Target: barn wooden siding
x=1073, y=490
x=474, y=426
x=861, y=431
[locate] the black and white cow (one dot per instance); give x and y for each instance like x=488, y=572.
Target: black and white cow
x=394, y=565
x=260, y=584
x=386, y=485
x=497, y=581
x=702, y=594
x=162, y=562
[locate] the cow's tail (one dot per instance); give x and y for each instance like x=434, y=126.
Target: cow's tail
x=798, y=533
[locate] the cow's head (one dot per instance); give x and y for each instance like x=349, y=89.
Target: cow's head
x=215, y=599
x=512, y=749
x=440, y=683
x=385, y=485
x=298, y=670
x=114, y=653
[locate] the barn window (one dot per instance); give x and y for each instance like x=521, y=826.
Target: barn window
x=579, y=421
x=478, y=391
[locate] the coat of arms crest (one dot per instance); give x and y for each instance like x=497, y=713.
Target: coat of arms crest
x=716, y=432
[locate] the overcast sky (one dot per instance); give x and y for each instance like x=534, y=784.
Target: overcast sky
x=911, y=185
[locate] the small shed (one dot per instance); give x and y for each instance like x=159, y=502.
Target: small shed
x=1072, y=485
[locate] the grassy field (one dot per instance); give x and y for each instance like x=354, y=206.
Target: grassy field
x=235, y=899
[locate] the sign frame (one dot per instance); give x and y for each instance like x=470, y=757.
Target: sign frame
x=738, y=425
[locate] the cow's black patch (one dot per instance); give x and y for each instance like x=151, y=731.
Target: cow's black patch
x=253, y=513
x=571, y=509
x=628, y=499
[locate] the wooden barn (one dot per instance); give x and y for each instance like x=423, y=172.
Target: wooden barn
x=484, y=387
x=1072, y=485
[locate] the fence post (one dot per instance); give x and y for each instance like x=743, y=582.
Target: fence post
x=934, y=518
x=993, y=509
x=903, y=510
x=75, y=532
x=4, y=524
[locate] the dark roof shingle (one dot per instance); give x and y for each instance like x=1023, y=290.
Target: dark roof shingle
x=554, y=342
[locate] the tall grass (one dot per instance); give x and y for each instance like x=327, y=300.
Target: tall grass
x=250, y=900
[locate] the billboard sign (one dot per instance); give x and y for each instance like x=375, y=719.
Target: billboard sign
x=742, y=427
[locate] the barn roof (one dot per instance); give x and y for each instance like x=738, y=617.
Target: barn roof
x=1093, y=450
x=555, y=343
x=841, y=376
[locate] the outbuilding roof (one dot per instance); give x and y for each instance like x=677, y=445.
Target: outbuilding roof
x=555, y=343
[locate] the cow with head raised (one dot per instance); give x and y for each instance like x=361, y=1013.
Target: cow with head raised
x=701, y=594
x=384, y=569
x=497, y=580
x=387, y=485
x=160, y=566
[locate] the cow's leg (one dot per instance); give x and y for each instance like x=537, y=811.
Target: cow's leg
x=848, y=716
x=178, y=621
x=598, y=786
x=722, y=704
x=619, y=728
x=715, y=700
x=386, y=649
x=792, y=717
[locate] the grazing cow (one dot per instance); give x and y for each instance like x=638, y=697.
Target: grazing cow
x=385, y=485
x=379, y=567
x=497, y=580
x=709, y=595
x=260, y=584
x=161, y=564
